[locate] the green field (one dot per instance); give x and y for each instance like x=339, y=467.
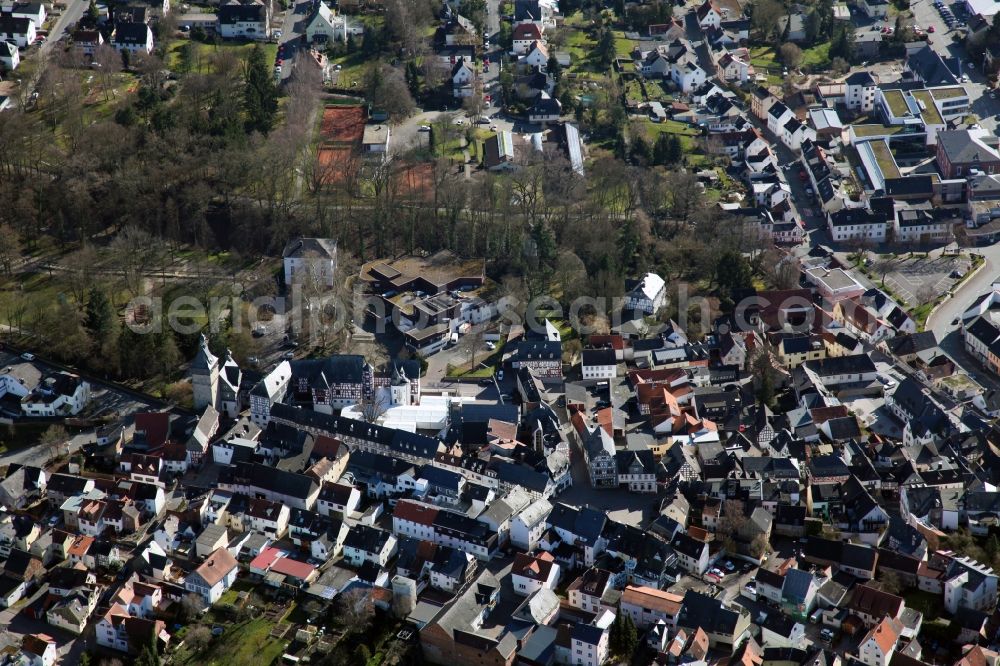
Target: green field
x=683, y=130
x=242, y=643
x=205, y=54
x=818, y=56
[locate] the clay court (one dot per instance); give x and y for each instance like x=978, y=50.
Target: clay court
x=343, y=124
x=415, y=182
x=337, y=163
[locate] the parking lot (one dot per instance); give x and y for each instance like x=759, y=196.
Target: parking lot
x=917, y=280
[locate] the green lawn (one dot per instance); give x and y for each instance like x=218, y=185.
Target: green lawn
x=243, y=644
x=763, y=56
x=206, y=53
x=683, y=130
x=817, y=56
x=354, y=66
x=623, y=45
x=633, y=92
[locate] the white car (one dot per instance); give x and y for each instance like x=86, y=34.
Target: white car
x=424, y=128
x=491, y=345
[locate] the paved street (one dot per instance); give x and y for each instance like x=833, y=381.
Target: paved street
x=105, y=398
x=948, y=334
x=291, y=31
x=74, y=10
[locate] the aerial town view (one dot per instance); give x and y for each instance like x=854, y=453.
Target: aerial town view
x=500, y=332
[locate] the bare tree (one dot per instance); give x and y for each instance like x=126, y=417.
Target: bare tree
x=198, y=638
x=191, y=606
x=108, y=63
x=81, y=268
x=135, y=251
x=54, y=439
x=354, y=610
x=470, y=344
x=374, y=407
x=791, y=55
x=10, y=248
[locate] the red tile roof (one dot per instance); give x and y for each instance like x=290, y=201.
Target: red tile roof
x=293, y=568
x=215, y=568
x=415, y=513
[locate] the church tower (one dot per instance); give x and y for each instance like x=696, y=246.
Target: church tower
x=400, y=388
x=205, y=376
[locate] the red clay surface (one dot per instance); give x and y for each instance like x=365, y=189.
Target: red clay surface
x=337, y=163
x=415, y=181
x=343, y=124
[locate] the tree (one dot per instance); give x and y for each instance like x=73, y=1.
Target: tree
x=615, y=636
x=732, y=273
x=354, y=611
x=606, y=47
x=890, y=582
x=763, y=370
x=198, y=638
x=54, y=439
x=791, y=55
x=386, y=89
x=470, y=344
x=100, y=320
x=93, y=13
x=731, y=523
x=10, y=248
x=150, y=655
x=190, y=607
x=554, y=68
x=372, y=407
x=759, y=545
x=765, y=17
x=630, y=637
x=667, y=150
x=260, y=99
x=641, y=153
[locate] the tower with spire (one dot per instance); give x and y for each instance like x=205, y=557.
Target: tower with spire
x=205, y=376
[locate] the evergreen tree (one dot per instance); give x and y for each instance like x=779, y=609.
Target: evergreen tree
x=260, y=99
x=630, y=637
x=732, y=272
x=370, y=43
x=765, y=392
x=169, y=355
x=640, y=150
x=554, y=68
x=630, y=246
x=93, y=13
x=667, y=151
x=606, y=47
x=99, y=318
x=620, y=146
x=615, y=636
x=993, y=546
